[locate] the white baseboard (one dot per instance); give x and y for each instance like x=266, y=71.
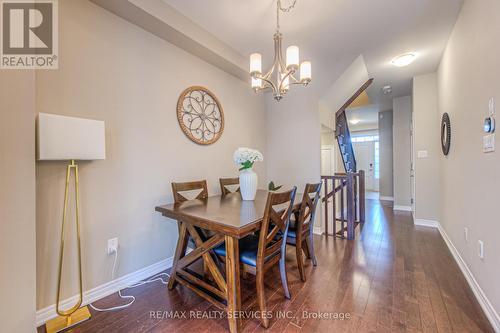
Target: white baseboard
x=426, y=223
x=402, y=208
x=386, y=198
x=106, y=289
x=486, y=305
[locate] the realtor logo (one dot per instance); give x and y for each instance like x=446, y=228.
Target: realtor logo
x=29, y=37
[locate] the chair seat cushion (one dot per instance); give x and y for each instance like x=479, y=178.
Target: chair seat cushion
x=248, y=250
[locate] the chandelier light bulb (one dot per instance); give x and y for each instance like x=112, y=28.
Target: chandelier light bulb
x=292, y=57
x=255, y=63
x=305, y=72
x=256, y=83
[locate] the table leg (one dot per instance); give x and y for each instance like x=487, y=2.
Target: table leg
x=233, y=284
x=180, y=251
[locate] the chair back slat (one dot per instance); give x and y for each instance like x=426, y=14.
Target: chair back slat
x=307, y=212
x=224, y=182
x=177, y=188
x=276, y=218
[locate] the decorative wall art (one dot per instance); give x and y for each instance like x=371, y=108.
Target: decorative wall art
x=200, y=115
x=445, y=133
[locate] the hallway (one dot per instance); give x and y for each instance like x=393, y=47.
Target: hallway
x=394, y=277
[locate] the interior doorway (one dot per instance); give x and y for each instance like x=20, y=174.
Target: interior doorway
x=367, y=152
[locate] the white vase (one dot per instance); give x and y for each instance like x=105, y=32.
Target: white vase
x=248, y=184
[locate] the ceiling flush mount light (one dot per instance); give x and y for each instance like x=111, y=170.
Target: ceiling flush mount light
x=386, y=90
x=404, y=59
x=282, y=73
x=354, y=121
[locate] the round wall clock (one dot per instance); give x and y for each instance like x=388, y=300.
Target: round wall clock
x=200, y=115
x=445, y=133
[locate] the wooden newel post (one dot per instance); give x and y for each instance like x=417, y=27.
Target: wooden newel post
x=334, y=207
x=326, y=204
x=362, y=196
x=350, y=205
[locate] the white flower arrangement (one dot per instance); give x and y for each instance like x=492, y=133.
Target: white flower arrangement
x=245, y=157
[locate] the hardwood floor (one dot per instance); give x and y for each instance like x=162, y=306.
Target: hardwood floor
x=394, y=277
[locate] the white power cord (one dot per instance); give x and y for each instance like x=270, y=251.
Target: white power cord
x=154, y=278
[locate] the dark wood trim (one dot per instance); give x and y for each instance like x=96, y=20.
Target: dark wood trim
x=353, y=97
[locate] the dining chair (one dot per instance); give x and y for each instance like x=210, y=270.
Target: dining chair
x=300, y=232
x=259, y=253
x=177, y=190
x=224, y=182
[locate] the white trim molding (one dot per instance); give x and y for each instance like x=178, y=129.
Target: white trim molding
x=426, y=223
x=386, y=198
x=402, y=208
x=106, y=289
x=481, y=297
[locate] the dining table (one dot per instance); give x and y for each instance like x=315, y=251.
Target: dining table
x=226, y=219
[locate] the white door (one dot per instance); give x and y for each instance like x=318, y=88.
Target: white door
x=327, y=161
x=365, y=160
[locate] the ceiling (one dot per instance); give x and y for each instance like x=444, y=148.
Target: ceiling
x=332, y=33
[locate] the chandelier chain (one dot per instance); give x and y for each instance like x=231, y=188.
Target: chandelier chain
x=279, y=8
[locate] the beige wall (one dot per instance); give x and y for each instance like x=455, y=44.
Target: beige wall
x=470, y=181
x=402, y=150
x=114, y=71
x=426, y=138
x=17, y=201
x=294, y=139
x=386, y=184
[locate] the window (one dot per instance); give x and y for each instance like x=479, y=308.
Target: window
x=367, y=138
x=376, y=167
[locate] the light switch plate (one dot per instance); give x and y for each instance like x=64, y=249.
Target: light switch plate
x=489, y=143
x=422, y=154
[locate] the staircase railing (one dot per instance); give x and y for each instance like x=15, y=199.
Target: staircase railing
x=348, y=197
x=343, y=136
x=342, y=133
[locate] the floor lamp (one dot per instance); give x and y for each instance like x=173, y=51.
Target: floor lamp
x=69, y=139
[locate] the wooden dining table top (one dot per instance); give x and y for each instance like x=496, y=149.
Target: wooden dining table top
x=228, y=214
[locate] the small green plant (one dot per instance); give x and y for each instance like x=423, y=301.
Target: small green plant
x=272, y=187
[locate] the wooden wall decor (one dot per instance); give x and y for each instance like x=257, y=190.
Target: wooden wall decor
x=445, y=134
x=200, y=115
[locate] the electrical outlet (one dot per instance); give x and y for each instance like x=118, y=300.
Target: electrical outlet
x=466, y=234
x=480, y=249
x=112, y=245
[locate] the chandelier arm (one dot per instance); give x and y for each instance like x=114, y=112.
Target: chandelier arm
x=271, y=84
x=289, y=73
x=266, y=79
x=270, y=72
x=293, y=78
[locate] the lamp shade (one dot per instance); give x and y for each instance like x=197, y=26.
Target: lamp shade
x=69, y=138
x=292, y=57
x=255, y=63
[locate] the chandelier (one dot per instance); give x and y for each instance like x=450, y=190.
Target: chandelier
x=281, y=75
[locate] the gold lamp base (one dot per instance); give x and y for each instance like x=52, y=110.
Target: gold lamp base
x=75, y=314
x=60, y=323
